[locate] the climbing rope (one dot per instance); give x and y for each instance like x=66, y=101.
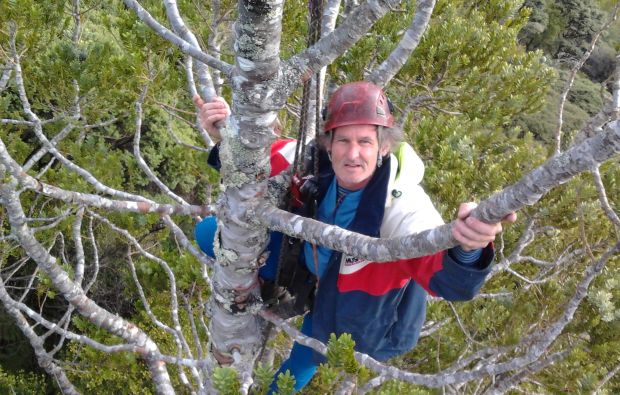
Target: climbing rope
x=314, y=33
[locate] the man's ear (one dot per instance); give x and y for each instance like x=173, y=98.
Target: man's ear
x=385, y=149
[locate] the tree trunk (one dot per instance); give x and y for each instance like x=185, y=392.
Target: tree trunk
x=244, y=153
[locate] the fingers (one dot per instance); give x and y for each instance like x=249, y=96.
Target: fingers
x=198, y=102
x=218, y=104
x=510, y=218
x=210, y=113
x=215, y=108
x=471, y=233
x=465, y=209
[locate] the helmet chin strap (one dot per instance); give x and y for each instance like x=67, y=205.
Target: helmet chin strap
x=329, y=155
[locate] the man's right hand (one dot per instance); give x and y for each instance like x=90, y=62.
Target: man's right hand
x=210, y=113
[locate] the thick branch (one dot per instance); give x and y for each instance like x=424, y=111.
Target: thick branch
x=502, y=386
x=92, y=200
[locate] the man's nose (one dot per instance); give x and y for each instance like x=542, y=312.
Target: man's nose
x=353, y=152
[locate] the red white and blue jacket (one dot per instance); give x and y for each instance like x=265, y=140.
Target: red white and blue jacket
x=383, y=305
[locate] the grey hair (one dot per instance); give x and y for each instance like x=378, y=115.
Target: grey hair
x=389, y=135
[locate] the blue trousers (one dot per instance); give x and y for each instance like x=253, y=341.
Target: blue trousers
x=300, y=363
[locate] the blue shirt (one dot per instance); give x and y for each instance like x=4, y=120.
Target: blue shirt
x=335, y=210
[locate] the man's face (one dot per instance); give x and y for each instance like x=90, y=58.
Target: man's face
x=354, y=150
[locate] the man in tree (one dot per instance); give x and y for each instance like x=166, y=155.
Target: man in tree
x=370, y=185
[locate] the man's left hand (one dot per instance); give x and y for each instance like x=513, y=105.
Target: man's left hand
x=471, y=233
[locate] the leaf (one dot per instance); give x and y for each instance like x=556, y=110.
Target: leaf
x=286, y=383
x=225, y=381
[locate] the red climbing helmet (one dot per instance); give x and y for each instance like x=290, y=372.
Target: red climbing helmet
x=358, y=103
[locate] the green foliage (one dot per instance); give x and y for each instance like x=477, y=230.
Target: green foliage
x=587, y=95
x=584, y=100
x=286, y=383
x=394, y=387
x=294, y=33
x=125, y=373
x=563, y=29
x=225, y=381
x=467, y=150
x=16, y=353
x=101, y=373
x=479, y=55
x=263, y=376
x=606, y=297
x=110, y=63
x=340, y=363
x=468, y=158
x=340, y=352
x=325, y=379
x=22, y=383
